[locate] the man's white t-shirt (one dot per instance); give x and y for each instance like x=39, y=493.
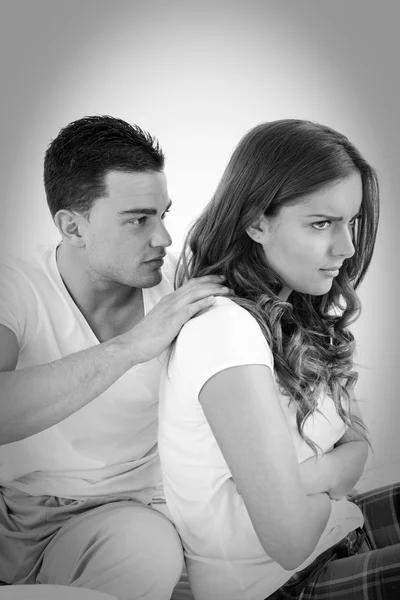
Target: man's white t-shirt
x=108, y=446
x=224, y=557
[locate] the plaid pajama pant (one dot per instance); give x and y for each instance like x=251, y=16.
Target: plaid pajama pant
x=363, y=566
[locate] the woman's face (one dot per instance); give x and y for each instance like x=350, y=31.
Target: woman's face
x=306, y=243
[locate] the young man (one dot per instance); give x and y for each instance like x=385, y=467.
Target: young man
x=81, y=326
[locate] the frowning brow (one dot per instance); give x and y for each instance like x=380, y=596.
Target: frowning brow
x=142, y=211
x=330, y=217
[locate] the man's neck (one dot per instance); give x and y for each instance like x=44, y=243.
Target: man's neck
x=101, y=302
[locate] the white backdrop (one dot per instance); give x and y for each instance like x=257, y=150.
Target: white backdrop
x=198, y=75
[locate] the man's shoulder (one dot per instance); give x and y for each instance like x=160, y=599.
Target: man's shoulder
x=24, y=286
x=26, y=274
x=35, y=258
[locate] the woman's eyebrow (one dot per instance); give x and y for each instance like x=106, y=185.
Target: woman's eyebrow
x=331, y=217
x=324, y=216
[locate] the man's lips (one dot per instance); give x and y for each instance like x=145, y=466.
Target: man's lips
x=156, y=258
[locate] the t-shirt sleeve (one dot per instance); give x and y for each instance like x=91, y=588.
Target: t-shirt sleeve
x=15, y=293
x=224, y=336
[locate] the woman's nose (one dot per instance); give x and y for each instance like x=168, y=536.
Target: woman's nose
x=344, y=244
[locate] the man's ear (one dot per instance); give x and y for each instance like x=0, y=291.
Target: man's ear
x=257, y=231
x=71, y=225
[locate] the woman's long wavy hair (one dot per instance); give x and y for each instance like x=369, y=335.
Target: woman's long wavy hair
x=275, y=165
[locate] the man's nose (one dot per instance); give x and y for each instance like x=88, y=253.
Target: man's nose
x=161, y=237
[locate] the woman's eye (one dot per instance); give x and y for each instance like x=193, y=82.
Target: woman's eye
x=320, y=225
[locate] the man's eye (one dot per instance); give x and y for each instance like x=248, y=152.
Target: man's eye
x=138, y=221
x=320, y=225
x=165, y=214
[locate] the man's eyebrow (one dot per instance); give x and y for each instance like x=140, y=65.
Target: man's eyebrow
x=142, y=211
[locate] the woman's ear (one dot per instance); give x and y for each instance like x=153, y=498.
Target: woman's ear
x=258, y=230
x=71, y=226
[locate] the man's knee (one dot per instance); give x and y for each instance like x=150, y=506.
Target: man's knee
x=150, y=549
x=161, y=547
x=126, y=550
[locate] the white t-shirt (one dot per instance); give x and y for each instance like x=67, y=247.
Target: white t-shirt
x=225, y=559
x=108, y=446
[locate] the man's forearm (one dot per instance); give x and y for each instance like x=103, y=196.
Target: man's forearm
x=35, y=398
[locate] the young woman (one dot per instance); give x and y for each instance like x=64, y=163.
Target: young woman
x=261, y=439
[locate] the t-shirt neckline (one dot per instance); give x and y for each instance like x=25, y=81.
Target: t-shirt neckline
x=64, y=290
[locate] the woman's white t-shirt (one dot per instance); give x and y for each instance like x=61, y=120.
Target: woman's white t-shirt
x=225, y=559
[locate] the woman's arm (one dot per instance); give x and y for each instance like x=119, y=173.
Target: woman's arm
x=244, y=413
x=337, y=472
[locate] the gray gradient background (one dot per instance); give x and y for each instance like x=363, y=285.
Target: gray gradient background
x=198, y=75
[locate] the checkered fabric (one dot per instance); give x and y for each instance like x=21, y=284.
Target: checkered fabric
x=363, y=566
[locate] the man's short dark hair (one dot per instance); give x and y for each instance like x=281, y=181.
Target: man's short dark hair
x=84, y=151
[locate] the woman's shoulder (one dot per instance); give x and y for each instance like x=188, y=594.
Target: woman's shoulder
x=224, y=311
x=225, y=323
x=224, y=335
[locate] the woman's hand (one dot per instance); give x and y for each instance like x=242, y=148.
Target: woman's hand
x=336, y=472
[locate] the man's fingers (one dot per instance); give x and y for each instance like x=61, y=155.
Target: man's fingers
x=205, y=280
x=187, y=302
x=195, y=307
x=197, y=290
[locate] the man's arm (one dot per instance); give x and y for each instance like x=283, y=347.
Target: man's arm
x=338, y=471
x=35, y=398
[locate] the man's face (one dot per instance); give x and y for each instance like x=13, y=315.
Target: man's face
x=125, y=234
